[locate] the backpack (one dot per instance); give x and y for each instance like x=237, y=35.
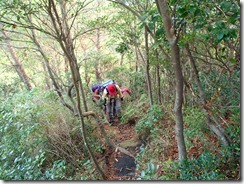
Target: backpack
x=104, y=85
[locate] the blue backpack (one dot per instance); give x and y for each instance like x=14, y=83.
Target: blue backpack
x=104, y=85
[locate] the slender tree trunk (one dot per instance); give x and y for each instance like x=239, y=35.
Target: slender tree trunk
x=87, y=77
x=135, y=91
x=216, y=129
x=137, y=58
x=162, y=6
x=149, y=87
x=49, y=70
x=121, y=59
x=48, y=82
x=98, y=47
x=17, y=64
x=68, y=49
x=158, y=78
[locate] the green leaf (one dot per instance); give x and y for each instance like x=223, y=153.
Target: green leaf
x=226, y=6
x=151, y=25
x=220, y=36
x=160, y=32
x=183, y=12
x=220, y=25
x=198, y=26
x=142, y=25
x=232, y=60
x=152, y=167
x=232, y=20
x=197, y=12
x=143, y=173
x=16, y=160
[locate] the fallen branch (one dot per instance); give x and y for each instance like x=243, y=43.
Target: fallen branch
x=89, y=113
x=122, y=150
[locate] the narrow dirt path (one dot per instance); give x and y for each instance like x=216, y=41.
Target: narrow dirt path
x=119, y=166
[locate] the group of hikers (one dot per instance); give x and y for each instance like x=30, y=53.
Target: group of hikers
x=109, y=95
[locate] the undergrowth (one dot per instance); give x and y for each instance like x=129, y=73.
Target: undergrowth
x=207, y=159
x=41, y=140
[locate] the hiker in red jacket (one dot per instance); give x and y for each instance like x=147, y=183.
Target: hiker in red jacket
x=112, y=94
x=125, y=90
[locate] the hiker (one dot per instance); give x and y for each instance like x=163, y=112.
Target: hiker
x=112, y=91
x=95, y=90
x=125, y=90
x=126, y=94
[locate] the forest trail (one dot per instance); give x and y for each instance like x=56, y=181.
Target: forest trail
x=119, y=166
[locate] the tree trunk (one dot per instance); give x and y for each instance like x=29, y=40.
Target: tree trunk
x=216, y=129
x=48, y=82
x=68, y=46
x=158, y=78
x=162, y=6
x=17, y=64
x=137, y=58
x=121, y=59
x=49, y=70
x=149, y=87
x=68, y=49
x=98, y=47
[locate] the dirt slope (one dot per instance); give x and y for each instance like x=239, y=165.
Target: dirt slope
x=119, y=166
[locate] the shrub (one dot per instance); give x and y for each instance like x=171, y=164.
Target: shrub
x=40, y=140
x=20, y=157
x=147, y=125
x=57, y=171
x=150, y=173
x=205, y=167
x=194, y=121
